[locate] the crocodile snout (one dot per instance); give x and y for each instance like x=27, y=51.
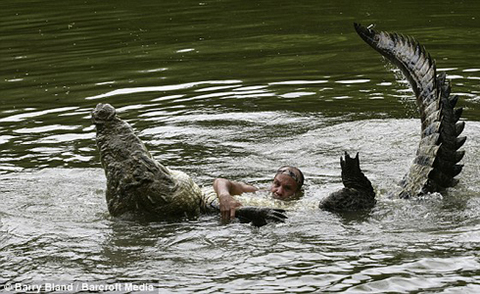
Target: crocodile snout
x=102, y=113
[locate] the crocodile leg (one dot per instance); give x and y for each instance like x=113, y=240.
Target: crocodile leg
x=358, y=193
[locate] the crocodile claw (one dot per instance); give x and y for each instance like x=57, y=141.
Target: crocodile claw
x=260, y=216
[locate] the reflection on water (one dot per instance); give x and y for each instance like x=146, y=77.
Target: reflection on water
x=57, y=218
x=235, y=90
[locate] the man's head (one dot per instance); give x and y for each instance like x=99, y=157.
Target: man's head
x=287, y=182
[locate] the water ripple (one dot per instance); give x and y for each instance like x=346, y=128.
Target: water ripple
x=160, y=88
x=35, y=114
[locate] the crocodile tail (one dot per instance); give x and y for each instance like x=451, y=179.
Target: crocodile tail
x=436, y=163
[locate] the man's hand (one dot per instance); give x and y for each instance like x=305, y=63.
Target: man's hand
x=225, y=189
x=228, y=205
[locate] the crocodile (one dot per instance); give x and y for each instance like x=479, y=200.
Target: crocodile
x=137, y=184
x=140, y=186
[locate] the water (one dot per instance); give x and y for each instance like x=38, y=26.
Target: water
x=230, y=89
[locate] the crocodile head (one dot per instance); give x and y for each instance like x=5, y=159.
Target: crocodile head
x=102, y=113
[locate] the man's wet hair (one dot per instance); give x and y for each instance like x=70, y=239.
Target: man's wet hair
x=295, y=173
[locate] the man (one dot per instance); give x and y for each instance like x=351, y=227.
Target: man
x=287, y=183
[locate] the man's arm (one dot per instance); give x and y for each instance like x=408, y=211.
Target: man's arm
x=225, y=190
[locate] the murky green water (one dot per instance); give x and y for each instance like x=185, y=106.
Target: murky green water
x=233, y=89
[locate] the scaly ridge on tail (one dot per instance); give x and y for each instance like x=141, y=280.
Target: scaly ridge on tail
x=436, y=163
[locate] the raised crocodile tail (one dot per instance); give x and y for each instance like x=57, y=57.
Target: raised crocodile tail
x=436, y=162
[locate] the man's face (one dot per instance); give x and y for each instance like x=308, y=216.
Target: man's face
x=283, y=186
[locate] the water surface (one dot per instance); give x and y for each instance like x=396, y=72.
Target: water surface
x=231, y=89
